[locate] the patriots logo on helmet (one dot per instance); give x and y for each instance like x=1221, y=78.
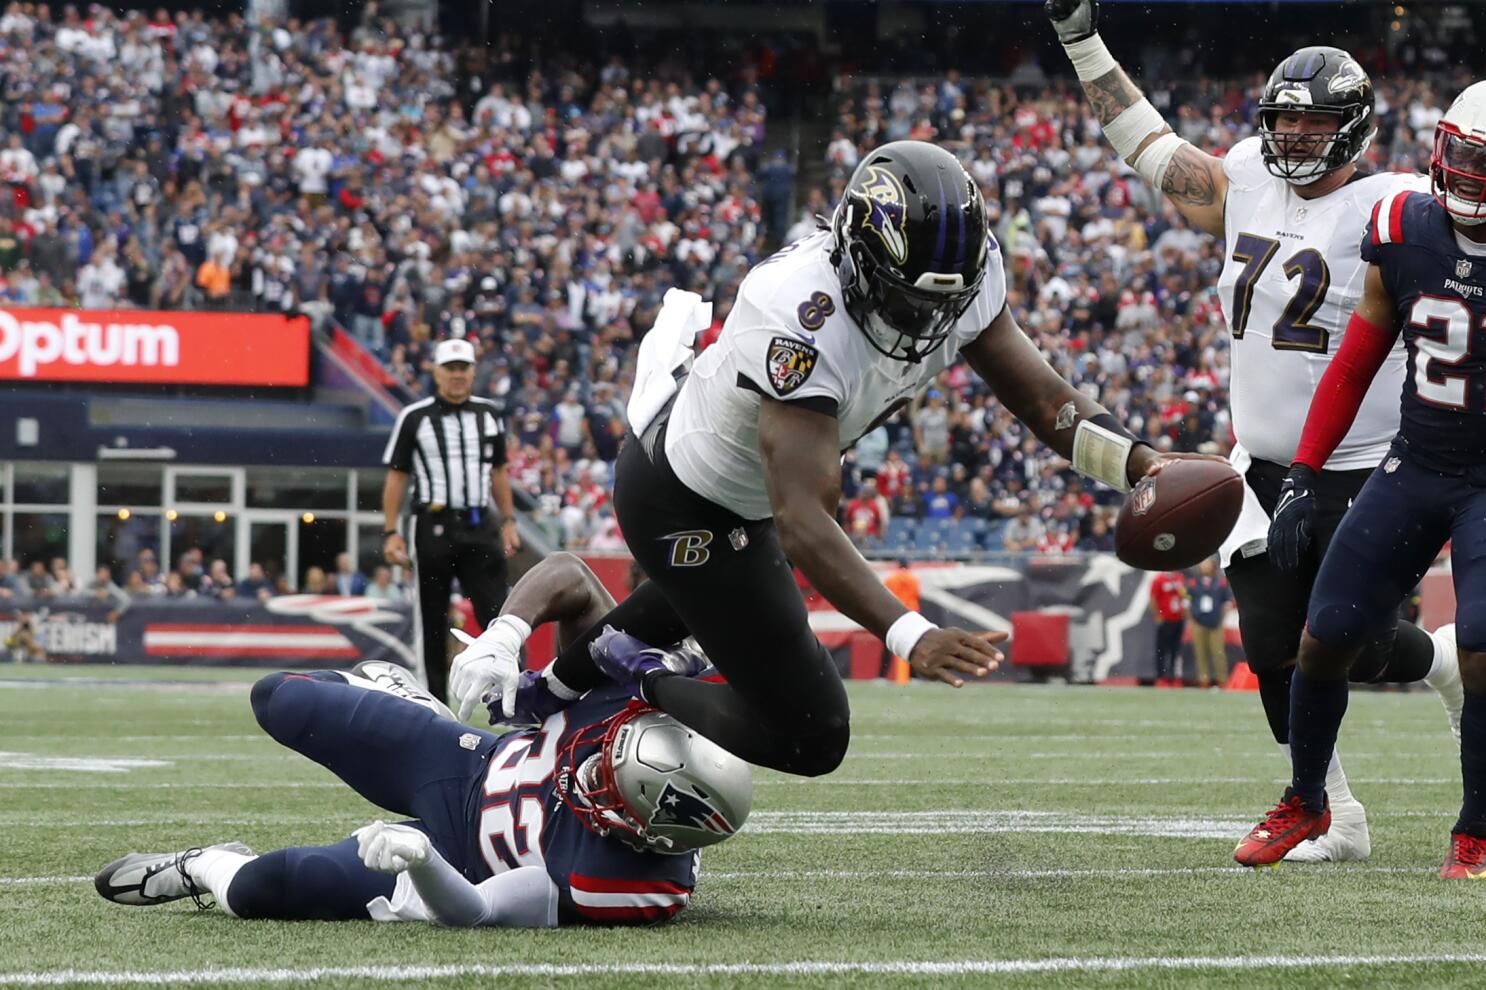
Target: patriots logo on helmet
x=887, y=216
x=676, y=807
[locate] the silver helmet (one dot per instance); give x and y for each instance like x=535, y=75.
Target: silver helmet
x=654, y=783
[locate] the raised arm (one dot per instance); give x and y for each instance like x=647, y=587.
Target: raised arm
x=1193, y=180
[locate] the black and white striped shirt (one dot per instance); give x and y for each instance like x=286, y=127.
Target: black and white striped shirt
x=449, y=450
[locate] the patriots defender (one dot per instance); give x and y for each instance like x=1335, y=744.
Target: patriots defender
x=1290, y=205
x=594, y=816
x=734, y=474
x=1426, y=282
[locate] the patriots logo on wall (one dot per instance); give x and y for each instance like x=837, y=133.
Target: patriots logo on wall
x=789, y=363
x=887, y=215
x=675, y=807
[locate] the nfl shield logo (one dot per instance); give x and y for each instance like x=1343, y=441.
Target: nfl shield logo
x=1389, y=466
x=1463, y=269
x=1143, y=497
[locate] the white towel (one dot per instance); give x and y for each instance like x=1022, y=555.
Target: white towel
x=667, y=347
x=1250, y=535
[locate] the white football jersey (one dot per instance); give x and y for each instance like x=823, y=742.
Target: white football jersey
x=789, y=337
x=1292, y=276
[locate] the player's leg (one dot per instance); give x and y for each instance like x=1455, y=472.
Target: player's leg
x=433, y=556
x=729, y=584
x=480, y=563
x=1380, y=550
x=394, y=753
x=1467, y=856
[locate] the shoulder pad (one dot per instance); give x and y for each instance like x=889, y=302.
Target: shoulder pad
x=1244, y=164
x=1401, y=217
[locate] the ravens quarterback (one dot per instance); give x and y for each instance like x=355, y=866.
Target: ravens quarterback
x=593, y=816
x=732, y=473
x=1290, y=205
x=1426, y=283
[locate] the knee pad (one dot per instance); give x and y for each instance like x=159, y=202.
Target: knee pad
x=281, y=703
x=818, y=753
x=299, y=884
x=1268, y=645
x=1340, y=626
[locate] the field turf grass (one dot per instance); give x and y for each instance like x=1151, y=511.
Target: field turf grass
x=1019, y=837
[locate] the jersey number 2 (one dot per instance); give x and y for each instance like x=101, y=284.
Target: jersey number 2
x=1293, y=330
x=1442, y=335
x=511, y=821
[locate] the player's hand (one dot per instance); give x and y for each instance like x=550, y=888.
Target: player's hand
x=510, y=537
x=391, y=848
x=488, y=669
x=1074, y=20
x=944, y=654
x=533, y=702
x=1146, y=461
x=1294, y=519
x=395, y=550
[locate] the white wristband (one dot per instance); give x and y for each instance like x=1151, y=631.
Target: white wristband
x=510, y=629
x=1090, y=58
x=904, y=634
x=1134, y=124
x=1102, y=454
x=1151, y=165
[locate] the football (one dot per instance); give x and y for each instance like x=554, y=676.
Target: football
x=1180, y=516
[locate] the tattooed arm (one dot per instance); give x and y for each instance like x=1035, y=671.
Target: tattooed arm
x=1192, y=180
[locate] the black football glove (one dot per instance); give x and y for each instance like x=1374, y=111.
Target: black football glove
x=1074, y=20
x=1294, y=519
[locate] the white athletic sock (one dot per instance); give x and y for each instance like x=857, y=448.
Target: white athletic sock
x=1338, y=791
x=1437, y=667
x=214, y=870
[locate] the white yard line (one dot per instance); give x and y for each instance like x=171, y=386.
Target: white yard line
x=940, y=968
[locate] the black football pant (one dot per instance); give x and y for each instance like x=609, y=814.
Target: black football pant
x=1272, y=604
x=446, y=545
x=724, y=580
x=1168, y=648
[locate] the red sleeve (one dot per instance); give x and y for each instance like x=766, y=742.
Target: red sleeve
x=1342, y=389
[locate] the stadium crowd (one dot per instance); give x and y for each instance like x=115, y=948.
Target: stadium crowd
x=378, y=179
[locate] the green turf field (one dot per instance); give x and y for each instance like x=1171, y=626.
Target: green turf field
x=1021, y=837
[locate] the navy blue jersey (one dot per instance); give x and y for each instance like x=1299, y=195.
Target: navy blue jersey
x=1440, y=294
x=522, y=821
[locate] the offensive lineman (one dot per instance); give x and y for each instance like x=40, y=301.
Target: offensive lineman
x=734, y=474
x=1291, y=205
x=1427, y=283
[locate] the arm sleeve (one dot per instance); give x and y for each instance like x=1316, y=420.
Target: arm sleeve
x=1342, y=389
x=520, y=898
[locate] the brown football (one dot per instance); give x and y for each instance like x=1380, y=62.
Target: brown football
x=1180, y=516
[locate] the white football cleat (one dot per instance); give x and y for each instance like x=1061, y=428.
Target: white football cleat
x=394, y=679
x=1347, y=841
x=1446, y=680
x=155, y=878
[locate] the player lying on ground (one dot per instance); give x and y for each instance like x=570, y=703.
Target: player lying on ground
x=734, y=475
x=1426, y=280
x=594, y=817
x=1291, y=205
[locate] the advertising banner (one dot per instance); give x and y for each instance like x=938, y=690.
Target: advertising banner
x=137, y=346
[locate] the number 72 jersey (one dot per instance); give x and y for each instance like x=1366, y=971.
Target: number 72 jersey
x=1291, y=277
x=1439, y=291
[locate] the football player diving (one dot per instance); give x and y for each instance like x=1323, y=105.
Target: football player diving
x=1290, y=204
x=595, y=816
x=1426, y=283
x=732, y=473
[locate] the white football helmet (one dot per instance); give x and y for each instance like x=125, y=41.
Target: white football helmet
x=654, y=783
x=1457, y=168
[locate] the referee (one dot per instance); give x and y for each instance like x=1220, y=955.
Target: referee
x=454, y=448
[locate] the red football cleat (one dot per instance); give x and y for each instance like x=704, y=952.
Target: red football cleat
x=1287, y=825
x=1466, y=859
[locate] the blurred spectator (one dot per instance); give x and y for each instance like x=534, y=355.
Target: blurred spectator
x=867, y=515
x=256, y=585
x=315, y=582
x=220, y=578
x=106, y=592
x=347, y=579
x=1169, y=608
x=1210, y=600
x=381, y=586
x=10, y=579
x=1024, y=532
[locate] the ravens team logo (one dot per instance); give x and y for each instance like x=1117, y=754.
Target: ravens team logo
x=790, y=362
x=887, y=214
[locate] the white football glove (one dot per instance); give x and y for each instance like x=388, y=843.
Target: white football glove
x=391, y=848
x=489, y=667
